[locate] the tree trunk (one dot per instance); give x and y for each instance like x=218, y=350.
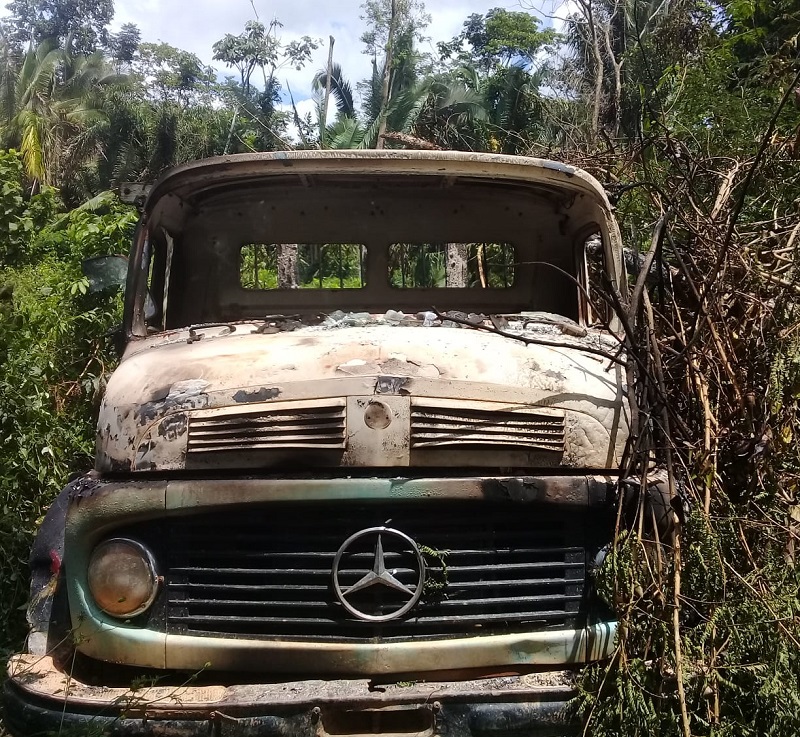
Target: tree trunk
x=410, y=141
x=597, y=56
x=616, y=102
x=287, y=266
x=386, y=87
x=456, y=274
x=323, y=124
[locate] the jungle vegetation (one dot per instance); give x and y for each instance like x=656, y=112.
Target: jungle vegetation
x=688, y=111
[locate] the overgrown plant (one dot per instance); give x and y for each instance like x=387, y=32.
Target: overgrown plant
x=54, y=356
x=709, y=636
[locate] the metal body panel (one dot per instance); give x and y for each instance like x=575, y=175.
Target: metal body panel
x=165, y=381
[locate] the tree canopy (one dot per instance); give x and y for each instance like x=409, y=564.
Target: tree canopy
x=84, y=21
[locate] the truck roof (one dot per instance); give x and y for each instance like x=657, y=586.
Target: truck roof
x=200, y=177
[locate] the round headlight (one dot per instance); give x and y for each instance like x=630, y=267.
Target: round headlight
x=122, y=577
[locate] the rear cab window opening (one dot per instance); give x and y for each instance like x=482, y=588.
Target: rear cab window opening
x=302, y=265
x=385, y=242
x=410, y=266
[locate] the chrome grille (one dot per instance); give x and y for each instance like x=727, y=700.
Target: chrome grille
x=314, y=425
x=266, y=572
x=442, y=423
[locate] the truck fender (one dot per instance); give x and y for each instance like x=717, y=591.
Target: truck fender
x=48, y=610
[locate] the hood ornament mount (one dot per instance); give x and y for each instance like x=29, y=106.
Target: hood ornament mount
x=378, y=577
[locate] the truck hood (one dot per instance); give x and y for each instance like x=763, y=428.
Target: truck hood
x=241, y=397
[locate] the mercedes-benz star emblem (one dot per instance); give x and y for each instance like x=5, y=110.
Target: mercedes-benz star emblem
x=379, y=589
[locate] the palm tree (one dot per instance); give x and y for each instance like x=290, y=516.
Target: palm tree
x=425, y=114
x=618, y=52
x=52, y=114
x=345, y=131
x=516, y=111
x=448, y=113
x=341, y=90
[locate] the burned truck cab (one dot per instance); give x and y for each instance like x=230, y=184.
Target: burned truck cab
x=356, y=463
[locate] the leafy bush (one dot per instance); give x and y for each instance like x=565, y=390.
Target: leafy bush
x=54, y=357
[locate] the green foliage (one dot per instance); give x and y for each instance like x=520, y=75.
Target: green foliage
x=259, y=47
x=85, y=21
x=20, y=217
x=53, y=362
x=498, y=39
x=764, y=36
x=124, y=45
x=52, y=111
x=175, y=75
x=740, y=633
x=254, y=47
x=384, y=26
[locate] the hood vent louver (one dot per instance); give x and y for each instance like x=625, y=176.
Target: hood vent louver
x=318, y=425
x=439, y=423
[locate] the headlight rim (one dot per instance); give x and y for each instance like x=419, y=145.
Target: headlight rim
x=150, y=562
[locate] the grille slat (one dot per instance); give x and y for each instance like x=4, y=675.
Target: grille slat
x=314, y=589
x=453, y=570
x=445, y=604
x=446, y=423
x=266, y=571
x=236, y=621
x=501, y=555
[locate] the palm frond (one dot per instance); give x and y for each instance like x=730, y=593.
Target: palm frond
x=340, y=89
x=33, y=145
x=345, y=133
x=370, y=137
x=404, y=109
x=373, y=93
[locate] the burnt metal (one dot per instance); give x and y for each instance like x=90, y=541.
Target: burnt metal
x=434, y=424
x=501, y=706
x=269, y=429
x=258, y=395
x=134, y=193
x=194, y=336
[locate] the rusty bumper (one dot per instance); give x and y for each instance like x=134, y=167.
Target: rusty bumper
x=40, y=699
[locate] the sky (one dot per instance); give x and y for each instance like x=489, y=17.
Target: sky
x=194, y=25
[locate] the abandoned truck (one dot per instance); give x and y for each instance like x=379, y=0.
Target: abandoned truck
x=356, y=464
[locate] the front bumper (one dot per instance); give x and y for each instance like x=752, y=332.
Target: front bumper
x=40, y=699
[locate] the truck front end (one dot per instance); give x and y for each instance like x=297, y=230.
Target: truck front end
x=356, y=464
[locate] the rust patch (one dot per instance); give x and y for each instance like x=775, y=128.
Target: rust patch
x=391, y=385
x=173, y=426
x=257, y=395
x=188, y=394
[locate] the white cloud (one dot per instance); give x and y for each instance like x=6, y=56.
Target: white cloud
x=195, y=25
x=557, y=11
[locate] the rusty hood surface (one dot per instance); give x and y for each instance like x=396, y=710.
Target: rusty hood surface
x=377, y=395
